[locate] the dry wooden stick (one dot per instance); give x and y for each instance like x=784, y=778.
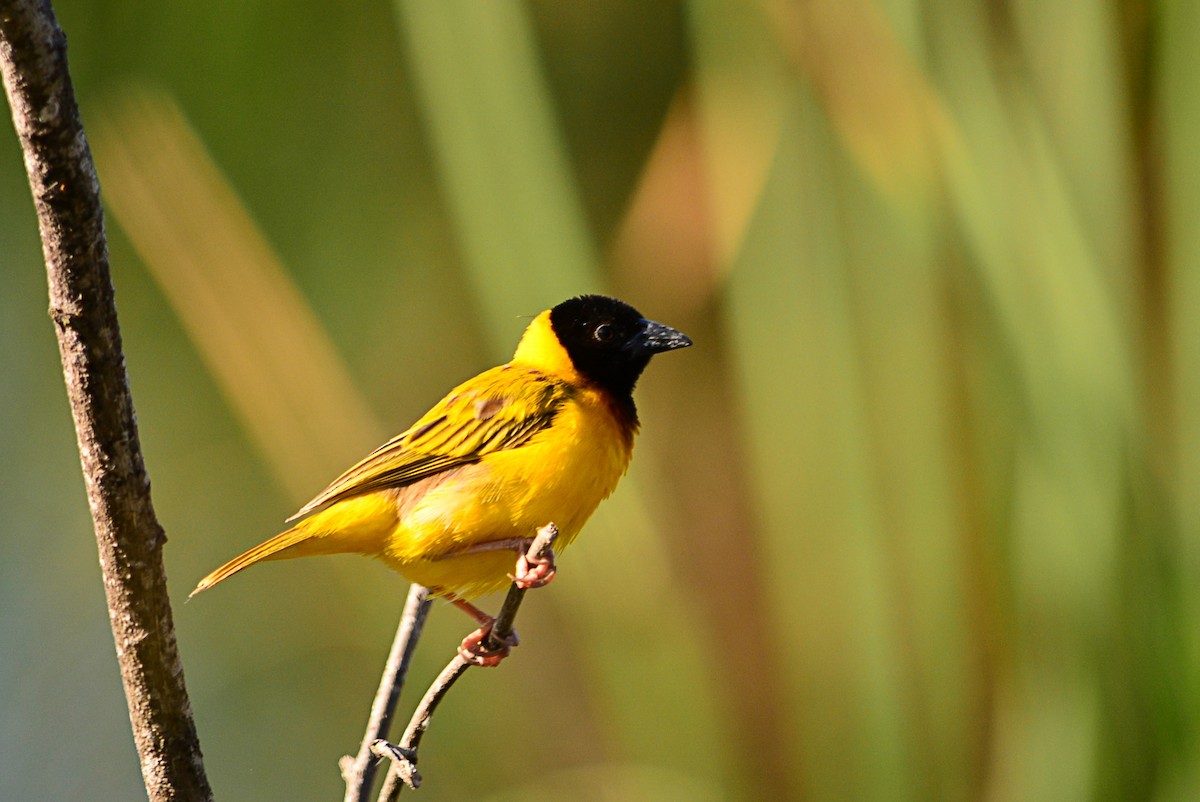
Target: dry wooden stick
x=66, y=194
x=358, y=771
x=403, y=755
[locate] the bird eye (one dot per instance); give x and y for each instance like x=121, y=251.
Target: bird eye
x=604, y=333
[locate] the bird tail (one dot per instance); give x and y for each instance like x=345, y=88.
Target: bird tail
x=268, y=550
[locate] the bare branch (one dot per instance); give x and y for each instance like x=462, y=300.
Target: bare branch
x=359, y=771
x=66, y=195
x=403, y=755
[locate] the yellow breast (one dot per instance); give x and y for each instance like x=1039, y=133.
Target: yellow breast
x=560, y=475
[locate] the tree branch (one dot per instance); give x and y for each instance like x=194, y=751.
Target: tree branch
x=359, y=771
x=403, y=755
x=66, y=195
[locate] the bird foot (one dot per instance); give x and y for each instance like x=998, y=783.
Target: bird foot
x=476, y=649
x=534, y=572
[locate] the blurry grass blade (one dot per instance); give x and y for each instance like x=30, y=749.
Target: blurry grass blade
x=1065, y=330
x=500, y=158
x=1181, y=117
x=665, y=242
x=883, y=106
x=794, y=339
x=258, y=336
x=1087, y=118
x=742, y=86
x=1180, y=93
x=774, y=189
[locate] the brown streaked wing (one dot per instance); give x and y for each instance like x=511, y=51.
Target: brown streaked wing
x=497, y=410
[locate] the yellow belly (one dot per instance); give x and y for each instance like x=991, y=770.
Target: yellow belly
x=559, y=476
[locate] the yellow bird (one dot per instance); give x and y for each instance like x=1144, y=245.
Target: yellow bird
x=542, y=439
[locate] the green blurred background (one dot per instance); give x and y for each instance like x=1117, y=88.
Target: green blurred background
x=916, y=519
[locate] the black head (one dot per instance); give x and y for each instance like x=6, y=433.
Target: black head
x=609, y=341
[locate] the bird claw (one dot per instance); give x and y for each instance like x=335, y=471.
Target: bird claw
x=534, y=572
x=476, y=650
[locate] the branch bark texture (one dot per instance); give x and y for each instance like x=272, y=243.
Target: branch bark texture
x=66, y=195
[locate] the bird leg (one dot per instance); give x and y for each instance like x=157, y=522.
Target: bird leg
x=535, y=567
x=475, y=648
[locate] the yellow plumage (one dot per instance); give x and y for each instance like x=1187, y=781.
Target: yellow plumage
x=535, y=441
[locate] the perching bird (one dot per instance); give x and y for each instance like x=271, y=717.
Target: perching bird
x=543, y=439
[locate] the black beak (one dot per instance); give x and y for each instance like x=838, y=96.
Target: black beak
x=654, y=338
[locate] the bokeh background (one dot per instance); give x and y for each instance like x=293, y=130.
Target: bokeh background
x=916, y=519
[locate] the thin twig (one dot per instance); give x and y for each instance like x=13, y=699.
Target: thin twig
x=66, y=193
x=359, y=771
x=403, y=755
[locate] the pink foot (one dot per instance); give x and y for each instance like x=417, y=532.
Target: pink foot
x=475, y=650
x=534, y=572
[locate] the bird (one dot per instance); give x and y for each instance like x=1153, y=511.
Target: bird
x=541, y=440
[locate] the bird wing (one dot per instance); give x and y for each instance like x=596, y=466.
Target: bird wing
x=499, y=409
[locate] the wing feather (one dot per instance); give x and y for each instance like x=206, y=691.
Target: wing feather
x=498, y=410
